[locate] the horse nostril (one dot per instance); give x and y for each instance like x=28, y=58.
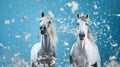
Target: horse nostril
x=82, y=35
x=42, y=28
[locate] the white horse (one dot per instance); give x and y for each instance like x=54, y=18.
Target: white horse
x=84, y=52
x=45, y=48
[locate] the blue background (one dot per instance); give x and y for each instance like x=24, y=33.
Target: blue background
x=108, y=15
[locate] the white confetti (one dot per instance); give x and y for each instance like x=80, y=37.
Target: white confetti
x=112, y=58
x=4, y=57
x=66, y=43
x=18, y=62
x=17, y=54
x=18, y=36
x=23, y=18
x=95, y=13
x=108, y=27
x=7, y=47
x=61, y=9
x=37, y=0
x=95, y=6
x=1, y=45
x=115, y=44
x=7, y=22
x=118, y=15
x=110, y=36
x=27, y=35
x=13, y=20
x=112, y=63
x=64, y=54
x=74, y=6
x=68, y=49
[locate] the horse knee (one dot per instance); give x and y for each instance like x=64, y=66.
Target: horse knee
x=95, y=65
x=71, y=60
x=33, y=65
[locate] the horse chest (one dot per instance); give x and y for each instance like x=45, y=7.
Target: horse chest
x=45, y=52
x=79, y=56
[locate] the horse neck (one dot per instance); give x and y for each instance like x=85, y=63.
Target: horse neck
x=46, y=41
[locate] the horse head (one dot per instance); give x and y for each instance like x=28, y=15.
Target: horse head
x=45, y=23
x=82, y=26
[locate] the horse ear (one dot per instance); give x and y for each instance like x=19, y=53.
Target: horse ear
x=78, y=16
x=42, y=14
x=87, y=16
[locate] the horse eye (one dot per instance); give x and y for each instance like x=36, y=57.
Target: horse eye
x=49, y=22
x=40, y=21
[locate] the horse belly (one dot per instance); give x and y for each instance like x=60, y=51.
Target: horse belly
x=34, y=51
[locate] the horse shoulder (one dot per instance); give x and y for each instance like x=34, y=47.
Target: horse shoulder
x=90, y=45
x=72, y=49
x=92, y=52
x=34, y=50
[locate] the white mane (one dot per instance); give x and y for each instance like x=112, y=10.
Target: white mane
x=53, y=35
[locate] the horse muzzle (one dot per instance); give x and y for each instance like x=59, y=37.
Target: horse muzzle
x=81, y=36
x=42, y=29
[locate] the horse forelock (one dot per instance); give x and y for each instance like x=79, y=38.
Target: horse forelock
x=53, y=35
x=46, y=19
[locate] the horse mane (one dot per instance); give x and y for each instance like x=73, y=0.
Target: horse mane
x=53, y=35
x=90, y=35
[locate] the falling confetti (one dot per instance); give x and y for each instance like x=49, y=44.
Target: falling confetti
x=118, y=15
x=112, y=63
x=26, y=37
x=23, y=18
x=7, y=22
x=18, y=36
x=61, y=9
x=115, y=44
x=13, y=20
x=66, y=43
x=95, y=6
x=74, y=6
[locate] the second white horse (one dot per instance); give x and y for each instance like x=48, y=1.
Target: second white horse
x=84, y=52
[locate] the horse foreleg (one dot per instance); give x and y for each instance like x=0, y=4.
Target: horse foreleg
x=98, y=63
x=71, y=60
x=33, y=65
x=52, y=65
x=95, y=65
